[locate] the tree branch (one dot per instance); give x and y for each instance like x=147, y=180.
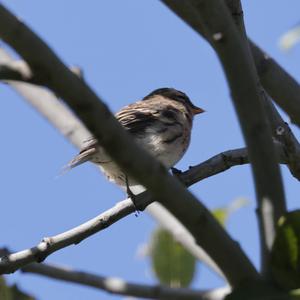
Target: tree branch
x=220, y=163
x=11, y=262
x=120, y=287
x=282, y=87
x=15, y=70
x=280, y=129
x=242, y=78
x=18, y=70
x=99, y=120
x=279, y=84
x=282, y=133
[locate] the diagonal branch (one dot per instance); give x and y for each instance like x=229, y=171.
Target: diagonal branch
x=284, y=135
x=18, y=70
x=12, y=262
x=120, y=287
x=99, y=120
x=280, y=85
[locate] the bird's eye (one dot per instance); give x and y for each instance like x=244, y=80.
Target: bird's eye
x=169, y=114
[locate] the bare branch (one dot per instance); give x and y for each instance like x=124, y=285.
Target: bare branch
x=282, y=133
x=119, y=286
x=12, y=262
x=280, y=85
x=14, y=69
x=238, y=64
x=280, y=129
x=18, y=70
x=220, y=163
x=98, y=119
x=7, y=73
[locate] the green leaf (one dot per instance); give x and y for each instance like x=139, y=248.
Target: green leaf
x=285, y=255
x=222, y=214
x=12, y=292
x=295, y=294
x=17, y=294
x=5, y=293
x=171, y=263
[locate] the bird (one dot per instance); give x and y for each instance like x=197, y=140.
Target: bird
x=161, y=123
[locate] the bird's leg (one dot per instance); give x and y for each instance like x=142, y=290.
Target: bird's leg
x=131, y=195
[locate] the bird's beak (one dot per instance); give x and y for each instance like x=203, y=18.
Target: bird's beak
x=197, y=110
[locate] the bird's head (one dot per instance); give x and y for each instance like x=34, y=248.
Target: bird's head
x=176, y=95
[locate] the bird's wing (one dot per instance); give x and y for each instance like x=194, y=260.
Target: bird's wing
x=134, y=118
x=137, y=117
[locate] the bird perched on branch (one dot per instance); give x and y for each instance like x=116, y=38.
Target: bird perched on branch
x=161, y=123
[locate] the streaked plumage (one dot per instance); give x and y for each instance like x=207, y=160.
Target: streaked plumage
x=161, y=123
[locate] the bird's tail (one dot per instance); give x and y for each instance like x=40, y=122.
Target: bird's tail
x=79, y=159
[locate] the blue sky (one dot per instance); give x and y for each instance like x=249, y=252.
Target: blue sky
x=126, y=49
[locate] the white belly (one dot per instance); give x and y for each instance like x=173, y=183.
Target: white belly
x=167, y=154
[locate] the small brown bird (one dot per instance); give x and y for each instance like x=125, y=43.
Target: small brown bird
x=161, y=123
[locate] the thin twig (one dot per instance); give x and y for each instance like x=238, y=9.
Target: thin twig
x=11, y=262
x=120, y=287
x=222, y=162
